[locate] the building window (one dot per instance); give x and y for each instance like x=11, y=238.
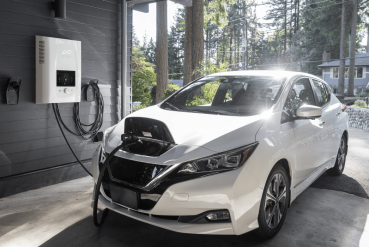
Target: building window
x=335, y=72
x=346, y=72
x=359, y=72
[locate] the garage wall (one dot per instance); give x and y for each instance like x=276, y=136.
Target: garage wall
x=30, y=139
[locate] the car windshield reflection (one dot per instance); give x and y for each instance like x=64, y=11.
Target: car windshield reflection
x=228, y=95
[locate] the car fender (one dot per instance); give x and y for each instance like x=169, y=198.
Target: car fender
x=276, y=143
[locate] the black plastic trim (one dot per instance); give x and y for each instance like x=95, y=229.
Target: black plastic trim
x=201, y=218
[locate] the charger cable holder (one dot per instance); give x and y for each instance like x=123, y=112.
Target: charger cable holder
x=12, y=92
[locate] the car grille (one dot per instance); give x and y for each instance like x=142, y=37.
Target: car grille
x=133, y=172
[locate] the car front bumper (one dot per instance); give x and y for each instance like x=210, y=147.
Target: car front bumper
x=224, y=191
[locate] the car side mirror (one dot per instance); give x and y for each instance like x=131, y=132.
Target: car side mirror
x=309, y=112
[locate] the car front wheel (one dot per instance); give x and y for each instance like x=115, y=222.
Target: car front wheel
x=274, y=203
x=341, y=158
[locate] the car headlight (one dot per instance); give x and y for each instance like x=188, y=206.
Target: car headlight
x=106, y=135
x=221, y=162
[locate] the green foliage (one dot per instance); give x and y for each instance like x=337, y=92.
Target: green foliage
x=171, y=90
x=176, y=40
x=207, y=68
x=360, y=103
x=216, y=11
x=148, y=50
x=206, y=95
x=143, y=77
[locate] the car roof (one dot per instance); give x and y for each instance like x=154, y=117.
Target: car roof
x=273, y=73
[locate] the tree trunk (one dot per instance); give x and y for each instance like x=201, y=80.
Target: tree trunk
x=298, y=14
x=367, y=41
x=285, y=27
x=230, y=48
x=161, y=49
x=234, y=46
x=341, y=77
x=295, y=19
x=217, y=47
x=207, y=44
x=198, y=36
x=188, y=47
x=223, y=47
x=291, y=23
x=351, y=82
x=247, y=46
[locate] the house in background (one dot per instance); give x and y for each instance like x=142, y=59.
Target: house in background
x=177, y=82
x=330, y=72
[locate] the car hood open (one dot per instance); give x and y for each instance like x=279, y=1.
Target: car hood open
x=215, y=133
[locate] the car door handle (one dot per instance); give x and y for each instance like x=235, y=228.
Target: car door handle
x=338, y=113
x=322, y=123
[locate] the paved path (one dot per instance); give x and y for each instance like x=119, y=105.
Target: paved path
x=60, y=215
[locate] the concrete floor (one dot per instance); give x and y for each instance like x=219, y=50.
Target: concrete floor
x=60, y=215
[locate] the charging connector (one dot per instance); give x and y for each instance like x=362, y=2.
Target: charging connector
x=90, y=91
x=90, y=94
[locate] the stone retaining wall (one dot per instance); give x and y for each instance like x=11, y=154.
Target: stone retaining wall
x=358, y=118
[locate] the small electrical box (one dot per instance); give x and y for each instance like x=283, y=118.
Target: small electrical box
x=58, y=70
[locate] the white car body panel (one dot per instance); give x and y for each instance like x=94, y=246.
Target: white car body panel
x=203, y=130
x=240, y=191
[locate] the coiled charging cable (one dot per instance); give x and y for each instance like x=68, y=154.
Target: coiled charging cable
x=94, y=127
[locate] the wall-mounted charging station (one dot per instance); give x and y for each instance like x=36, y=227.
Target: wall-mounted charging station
x=58, y=80
x=58, y=70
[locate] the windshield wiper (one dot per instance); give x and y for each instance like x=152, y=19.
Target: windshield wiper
x=227, y=113
x=174, y=107
x=219, y=112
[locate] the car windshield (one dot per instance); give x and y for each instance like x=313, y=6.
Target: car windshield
x=227, y=95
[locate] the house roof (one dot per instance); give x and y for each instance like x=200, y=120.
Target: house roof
x=360, y=59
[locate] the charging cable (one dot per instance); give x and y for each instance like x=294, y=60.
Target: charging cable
x=94, y=126
x=57, y=120
x=92, y=92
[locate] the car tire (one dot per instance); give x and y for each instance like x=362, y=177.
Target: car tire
x=339, y=166
x=273, y=210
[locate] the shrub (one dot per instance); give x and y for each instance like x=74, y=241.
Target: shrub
x=144, y=79
x=207, y=68
x=360, y=103
x=171, y=90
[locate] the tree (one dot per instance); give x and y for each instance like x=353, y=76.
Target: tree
x=161, y=49
x=143, y=78
x=341, y=77
x=188, y=47
x=176, y=41
x=171, y=90
x=350, y=91
x=194, y=39
x=207, y=68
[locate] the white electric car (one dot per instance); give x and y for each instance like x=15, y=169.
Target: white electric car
x=226, y=154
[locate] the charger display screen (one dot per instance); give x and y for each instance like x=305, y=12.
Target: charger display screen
x=65, y=78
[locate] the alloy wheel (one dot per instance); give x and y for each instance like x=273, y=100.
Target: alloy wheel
x=275, y=201
x=341, y=154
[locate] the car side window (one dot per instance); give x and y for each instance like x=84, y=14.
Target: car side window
x=322, y=93
x=300, y=94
